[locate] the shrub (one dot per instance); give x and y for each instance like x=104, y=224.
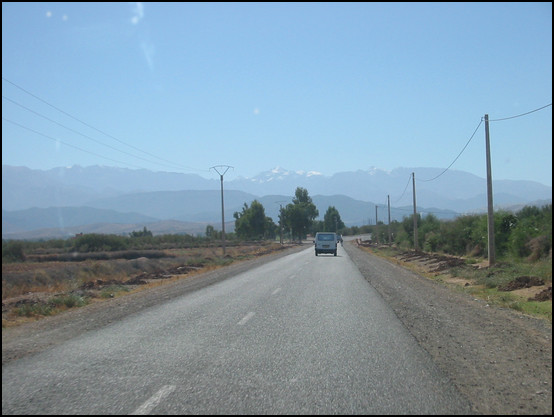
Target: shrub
x=12, y=251
x=94, y=242
x=69, y=301
x=30, y=310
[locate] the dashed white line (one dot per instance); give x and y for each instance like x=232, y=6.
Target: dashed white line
x=276, y=291
x=246, y=318
x=154, y=400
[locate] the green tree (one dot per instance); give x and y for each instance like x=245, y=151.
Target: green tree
x=532, y=234
x=408, y=226
x=252, y=222
x=332, y=221
x=143, y=233
x=317, y=226
x=300, y=215
x=271, y=228
x=466, y=235
x=430, y=233
x=504, y=223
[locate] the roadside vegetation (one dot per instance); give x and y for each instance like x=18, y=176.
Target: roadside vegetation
x=523, y=243
x=526, y=234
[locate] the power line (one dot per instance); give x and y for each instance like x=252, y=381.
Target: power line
x=470, y=139
x=405, y=188
x=98, y=130
x=519, y=115
x=463, y=149
x=79, y=133
x=495, y=120
x=67, y=144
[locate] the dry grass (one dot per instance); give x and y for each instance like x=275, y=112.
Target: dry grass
x=31, y=290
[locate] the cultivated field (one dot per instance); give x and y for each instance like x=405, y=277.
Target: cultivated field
x=48, y=283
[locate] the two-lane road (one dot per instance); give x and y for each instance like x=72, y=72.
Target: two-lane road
x=299, y=335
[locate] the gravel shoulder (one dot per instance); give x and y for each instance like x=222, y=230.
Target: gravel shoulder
x=499, y=359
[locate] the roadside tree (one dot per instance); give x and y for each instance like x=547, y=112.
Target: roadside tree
x=332, y=221
x=300, y=215
x=252, y=223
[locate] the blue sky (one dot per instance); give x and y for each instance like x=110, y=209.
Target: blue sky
x=324, y=87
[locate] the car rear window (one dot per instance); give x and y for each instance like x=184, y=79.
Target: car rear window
x=326, y=237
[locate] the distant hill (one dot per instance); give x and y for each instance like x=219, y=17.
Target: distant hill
x=189, y=205
x=64, y=217
x=62, y=200
x=23, y=187
x=157, y=228
x=75, y=186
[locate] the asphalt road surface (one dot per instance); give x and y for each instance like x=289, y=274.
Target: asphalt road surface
x=298, y=335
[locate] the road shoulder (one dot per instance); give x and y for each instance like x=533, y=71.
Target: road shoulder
x=499, y=359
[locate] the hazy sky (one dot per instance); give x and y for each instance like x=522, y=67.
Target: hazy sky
x=324, y=87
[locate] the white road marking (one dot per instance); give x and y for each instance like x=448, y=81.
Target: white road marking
x=154, y=400
x=276, y=291
x=246, y=318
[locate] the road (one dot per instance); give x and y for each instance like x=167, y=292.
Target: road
x=298, y=335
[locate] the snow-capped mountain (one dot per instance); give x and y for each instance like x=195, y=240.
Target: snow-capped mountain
x=191, y=198
x=280, y=174
x=24, y=188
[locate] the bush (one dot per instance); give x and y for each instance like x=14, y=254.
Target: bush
x=69, y=301
x=12, y=251
x=94, y=242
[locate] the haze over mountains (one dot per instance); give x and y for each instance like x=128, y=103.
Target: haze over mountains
x=63, y=201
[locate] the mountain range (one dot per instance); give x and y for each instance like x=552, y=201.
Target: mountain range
x=63, y=201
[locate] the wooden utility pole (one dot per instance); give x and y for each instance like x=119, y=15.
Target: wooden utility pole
x=490, y=208
x=388, y=203
x=376, y=226
x=415, y=212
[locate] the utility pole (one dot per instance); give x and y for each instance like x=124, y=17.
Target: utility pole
x=415, y=212
x=388, y=203
x=490, y=211
x=281, y=224
x=376, y=226
x=224, y=169
x=281, y=221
